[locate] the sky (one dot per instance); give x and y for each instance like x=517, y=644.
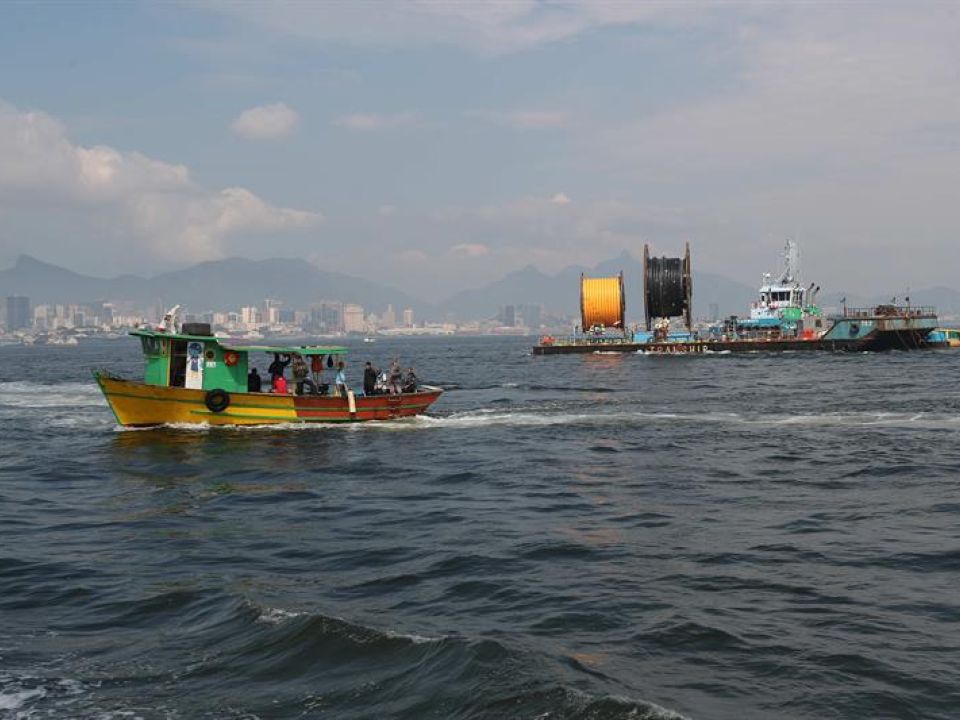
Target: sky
x=435, y=146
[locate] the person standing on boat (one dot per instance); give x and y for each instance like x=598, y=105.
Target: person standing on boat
x=370, y=379
x=410, y=381
x=299, y=369
x=396, y=377
x=277, y=367
x=341, y=380
x=254, y=383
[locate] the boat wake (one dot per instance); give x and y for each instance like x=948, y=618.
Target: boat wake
x=24, y=394
x=481, y=418
x=476, y=419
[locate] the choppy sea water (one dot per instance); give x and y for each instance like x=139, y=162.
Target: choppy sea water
x=720, y=536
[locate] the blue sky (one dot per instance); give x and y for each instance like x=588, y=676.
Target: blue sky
x=436, y=146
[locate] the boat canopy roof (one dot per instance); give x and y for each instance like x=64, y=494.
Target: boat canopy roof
x=227, y=344
x=289, y=349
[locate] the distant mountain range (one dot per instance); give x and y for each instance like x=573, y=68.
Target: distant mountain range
x=236, y=282
x=561, y=292
x=220, y=284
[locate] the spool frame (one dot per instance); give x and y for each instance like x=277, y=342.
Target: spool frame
x=687, y=281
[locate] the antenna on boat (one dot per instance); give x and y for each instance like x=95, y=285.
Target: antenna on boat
x=791, y=269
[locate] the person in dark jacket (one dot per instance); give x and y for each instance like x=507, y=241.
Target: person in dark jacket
x=254, y=383
x=370, y=374
x=410, y=382
x=277, y=367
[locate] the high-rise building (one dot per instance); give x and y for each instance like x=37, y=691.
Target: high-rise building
x=353, y=319
x=41, y=317
x=327, y=316
x=408, y=318
x=18, y=312
x=531, y=315
x=389, y=318
x=249, y=316
x=508, y=315
x=271, y=311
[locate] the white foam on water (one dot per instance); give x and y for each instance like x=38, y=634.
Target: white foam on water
x=25, y=394
x=415, y=639
x=16, y=699
x=275, y=616
x=488, y=417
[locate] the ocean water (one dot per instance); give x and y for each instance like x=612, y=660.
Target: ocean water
x=725, y=536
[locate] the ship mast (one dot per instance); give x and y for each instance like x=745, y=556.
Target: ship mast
x=791, y=269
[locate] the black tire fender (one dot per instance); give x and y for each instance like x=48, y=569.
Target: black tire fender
x=217, y=400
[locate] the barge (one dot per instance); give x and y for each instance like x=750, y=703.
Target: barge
x=784, y=318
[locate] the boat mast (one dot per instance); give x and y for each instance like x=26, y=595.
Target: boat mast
x=791, y=269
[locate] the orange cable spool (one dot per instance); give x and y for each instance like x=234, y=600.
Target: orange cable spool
x=602, y=302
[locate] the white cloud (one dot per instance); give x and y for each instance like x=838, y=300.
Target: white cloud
x=560, y=199
x=526, y=119
x=374, y=121
x=140, y=200
x=485, y=27
x=266, y=122
x=470, y=250
x=387, y=210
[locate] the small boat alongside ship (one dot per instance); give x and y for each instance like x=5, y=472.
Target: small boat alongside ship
x=785, y=317
x=194, y=377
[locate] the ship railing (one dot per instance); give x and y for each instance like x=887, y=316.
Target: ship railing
x=890, y=310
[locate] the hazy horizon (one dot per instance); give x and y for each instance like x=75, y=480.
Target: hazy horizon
x=434, y=147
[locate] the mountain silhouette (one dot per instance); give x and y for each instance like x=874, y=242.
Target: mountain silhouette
x=560, y=293
x=214, y=285
x=235, y=282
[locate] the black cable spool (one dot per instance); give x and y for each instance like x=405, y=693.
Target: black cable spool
x=667, y=287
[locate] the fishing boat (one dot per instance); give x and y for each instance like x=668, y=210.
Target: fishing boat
x=194, y=377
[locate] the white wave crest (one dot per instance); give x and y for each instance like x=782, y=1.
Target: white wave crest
x=26, y=394
x=16, y=699
x=275, y=616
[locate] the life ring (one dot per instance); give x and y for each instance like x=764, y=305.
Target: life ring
x=231, y=358
x=217, y=400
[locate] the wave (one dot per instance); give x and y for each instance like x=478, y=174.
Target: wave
x=20, y=695
x=26, y=394
x=272, y=661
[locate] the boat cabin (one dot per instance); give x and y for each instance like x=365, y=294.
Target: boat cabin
x=205, y=362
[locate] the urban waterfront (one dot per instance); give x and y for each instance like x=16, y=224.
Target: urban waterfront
x=599, y=536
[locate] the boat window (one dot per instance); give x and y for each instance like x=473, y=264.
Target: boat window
x=153, y=346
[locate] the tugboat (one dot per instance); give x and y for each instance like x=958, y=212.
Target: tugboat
x=194, y=377
x=785, y=304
